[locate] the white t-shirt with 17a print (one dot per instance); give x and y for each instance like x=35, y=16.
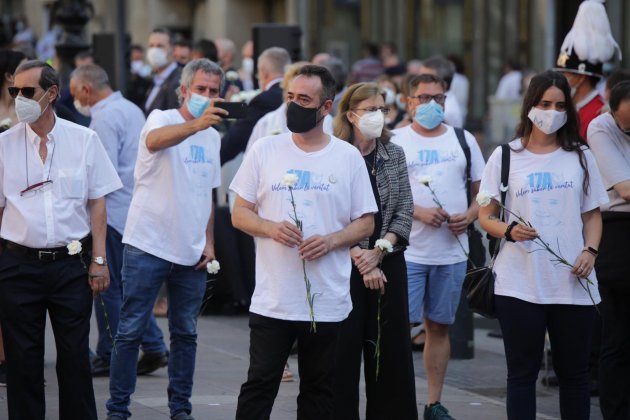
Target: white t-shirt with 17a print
x=172, y=197
x=546, y=190
x=333, y=189
x=443, y=159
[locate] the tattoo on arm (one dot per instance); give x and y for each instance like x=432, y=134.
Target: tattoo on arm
x=493, y=217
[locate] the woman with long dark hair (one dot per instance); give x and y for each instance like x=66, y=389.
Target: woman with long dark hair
x=553, y=184
x=389, y=378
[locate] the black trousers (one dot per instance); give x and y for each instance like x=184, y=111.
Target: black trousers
x=28, y=289
x=614, y=367
x=270, y=342
x=613, y=274
x=523, y=325
x=393, y=394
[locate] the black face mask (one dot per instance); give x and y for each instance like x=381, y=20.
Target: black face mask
x=300, y=119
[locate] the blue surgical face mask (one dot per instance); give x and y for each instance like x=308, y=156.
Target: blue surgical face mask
x=197, y=104
x=429, y=115
x=400, y=103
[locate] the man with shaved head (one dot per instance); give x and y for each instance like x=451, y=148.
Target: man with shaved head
x=118, y=123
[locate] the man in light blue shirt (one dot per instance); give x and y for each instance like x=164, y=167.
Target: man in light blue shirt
x=118, y=123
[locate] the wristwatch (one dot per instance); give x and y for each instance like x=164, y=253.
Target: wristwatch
x=99, y=260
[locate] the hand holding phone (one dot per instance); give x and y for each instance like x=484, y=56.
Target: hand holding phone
x=235, y=109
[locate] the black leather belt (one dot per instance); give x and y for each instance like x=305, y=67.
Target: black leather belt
x=45, y=254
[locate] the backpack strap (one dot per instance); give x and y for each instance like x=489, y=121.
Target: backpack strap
x=505, y=171
x=461, y=137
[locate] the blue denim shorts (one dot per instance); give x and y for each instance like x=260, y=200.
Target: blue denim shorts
x=434, y=291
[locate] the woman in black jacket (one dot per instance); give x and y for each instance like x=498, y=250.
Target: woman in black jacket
x=389, y=377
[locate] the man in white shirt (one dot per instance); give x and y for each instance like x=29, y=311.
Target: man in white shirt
x=444, y=69
x=169, y=235
x=332, y=197
x=510, y=84
x=436, y=262
x=54, y=176
x=609, y=140
x=118, y=123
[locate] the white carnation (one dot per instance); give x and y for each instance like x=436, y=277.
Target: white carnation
x=74, y=247
x=290, y=180
x=213, y=267
x=484, y=198
x=384, y=245
x=424, y=179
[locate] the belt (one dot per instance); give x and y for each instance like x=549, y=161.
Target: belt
x=45, y=254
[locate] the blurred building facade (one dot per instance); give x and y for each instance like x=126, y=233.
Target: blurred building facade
x=485, y=33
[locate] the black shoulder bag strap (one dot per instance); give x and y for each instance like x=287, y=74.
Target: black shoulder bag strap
x=462, y=142
x=505, y=174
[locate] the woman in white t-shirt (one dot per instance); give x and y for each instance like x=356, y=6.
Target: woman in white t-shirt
x=360, y=121
x=554, y=184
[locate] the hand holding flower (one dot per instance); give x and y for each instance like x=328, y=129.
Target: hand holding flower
x=521, y=233
x=207, y=256
x=286, y=233
x=458, y=223
x=98, y=278
x=583, y=264
x=433, y=216
x=315, y=247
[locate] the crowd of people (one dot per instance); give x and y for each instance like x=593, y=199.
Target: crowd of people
x=360, y=189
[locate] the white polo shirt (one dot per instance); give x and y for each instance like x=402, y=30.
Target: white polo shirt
x=79, y=169
x=172, y=196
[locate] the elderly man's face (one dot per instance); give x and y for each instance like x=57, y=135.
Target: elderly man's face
x=205, y=84
x=30, y=78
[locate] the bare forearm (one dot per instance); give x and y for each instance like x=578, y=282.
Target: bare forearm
x=248, y=221
x=391, y=237
x=356, y=231
x=98, y=222
x=592, y=221
x=490, y=222
x=170, y=135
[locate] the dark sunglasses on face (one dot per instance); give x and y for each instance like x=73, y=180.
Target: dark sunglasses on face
x=28, y=92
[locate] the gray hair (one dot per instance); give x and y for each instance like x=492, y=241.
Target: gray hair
x=444, y=68
x=337, y=68
x=192, y=67
x=49, y=77
x=92, y=74
x=275, y=60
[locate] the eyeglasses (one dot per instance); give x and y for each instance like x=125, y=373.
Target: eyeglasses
x=28, y=92
x=35, y=188
x=384, y=110
x=425, y=98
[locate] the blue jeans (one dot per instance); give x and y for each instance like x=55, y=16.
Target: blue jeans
x=152, y=340
x=142, y=276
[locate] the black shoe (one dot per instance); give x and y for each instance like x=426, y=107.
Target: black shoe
x=100, y=366
x=3, y=374
x=150, y=362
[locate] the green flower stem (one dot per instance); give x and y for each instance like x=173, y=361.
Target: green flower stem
x=107, y=327
x=436, y=200
x=309, y=297
x=377, y=353
x=557, y=258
